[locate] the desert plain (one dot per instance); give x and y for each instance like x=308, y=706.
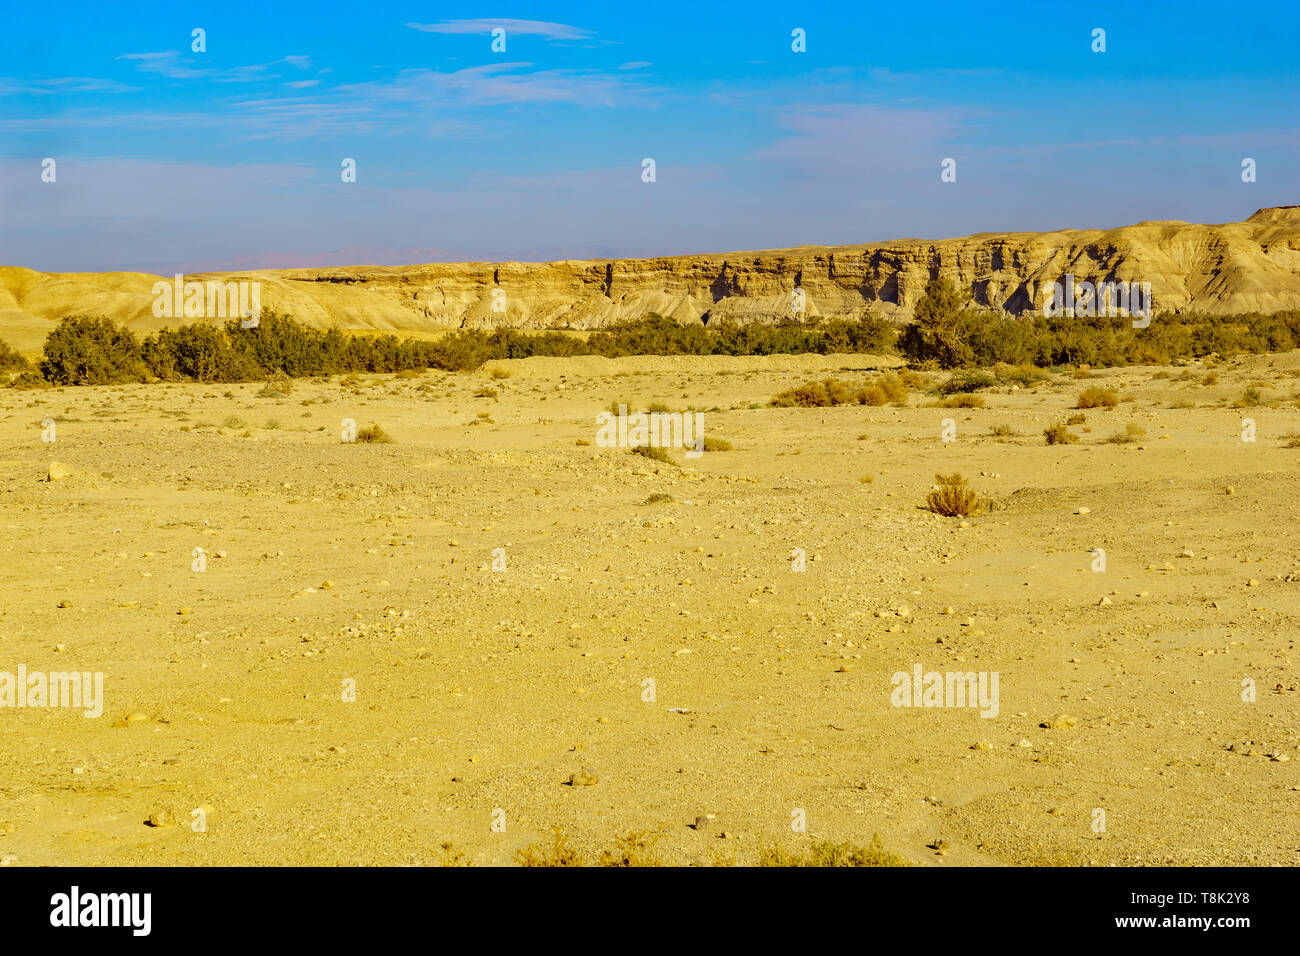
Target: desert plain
x=541, y=633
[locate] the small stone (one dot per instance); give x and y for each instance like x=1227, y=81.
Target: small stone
x=1252, y=583
x=583, y=778
x=65, y=603
x=162, y=818
x=1060, y=722
x=1083, y=511
x=58, y=471
x=982, y=745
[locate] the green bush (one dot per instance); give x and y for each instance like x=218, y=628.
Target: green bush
x=11, y=360
x=87, y=350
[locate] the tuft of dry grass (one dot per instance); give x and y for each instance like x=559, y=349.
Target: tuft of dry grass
x=1250, y=398
x=278, y=385
x=963, y=400
x=831, y=391
x=654, y=453
x=374, y=435
x=1095, y=397
x=1131, y=433
x=632, y=849
x=559, y=854
x=953, y=498
x=827, y=853
x=1058, y=434
x=717, y=444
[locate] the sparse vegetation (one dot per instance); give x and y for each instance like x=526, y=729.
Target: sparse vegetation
x=963, y=401
x=11, y=360
x=1250, y=398
x=1132, y=432
x=953, y=498
x=827, y=853
x=967, y=381
x=1095, y=397
x=1058, y=434
x=654, y=453
x=374, y=435
x=830, y=391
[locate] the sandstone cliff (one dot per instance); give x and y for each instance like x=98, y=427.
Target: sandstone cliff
x=1233, y=267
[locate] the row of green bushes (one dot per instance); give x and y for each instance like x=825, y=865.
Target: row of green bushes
x=948, y=332
x=94, y=351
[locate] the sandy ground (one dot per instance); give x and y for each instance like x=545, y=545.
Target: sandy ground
x=480, y=692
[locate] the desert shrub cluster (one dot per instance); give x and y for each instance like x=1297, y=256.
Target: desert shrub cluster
x=883, y=390
x=948, y=332
x=953, y=497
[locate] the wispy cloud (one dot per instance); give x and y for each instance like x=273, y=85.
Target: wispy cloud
x=63, y=85
x=540, y=28
x=169, y=64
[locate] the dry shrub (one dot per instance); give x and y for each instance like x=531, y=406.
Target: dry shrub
x=1250, y=398
x=654, y=453
x=1097, y=398
x=374, y=435
x=1076, y=419
x=278, y=385
x=717, y=444
x=963, y=401
x=560, y=853
x=826, y=853
x=632, y=849
x=831, y=391
x=1058, y=434
x=953, y=498
x=1131, y=433
x=1022, y=375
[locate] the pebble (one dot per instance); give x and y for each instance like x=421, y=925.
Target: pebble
x=583, y=778
x=162, y=818
x=1060, y=722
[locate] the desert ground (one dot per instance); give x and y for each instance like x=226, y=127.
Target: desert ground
x=494, y=706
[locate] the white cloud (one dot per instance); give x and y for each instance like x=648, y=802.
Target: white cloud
x=541, y=28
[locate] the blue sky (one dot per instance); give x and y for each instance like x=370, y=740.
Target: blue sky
x=171, y=160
